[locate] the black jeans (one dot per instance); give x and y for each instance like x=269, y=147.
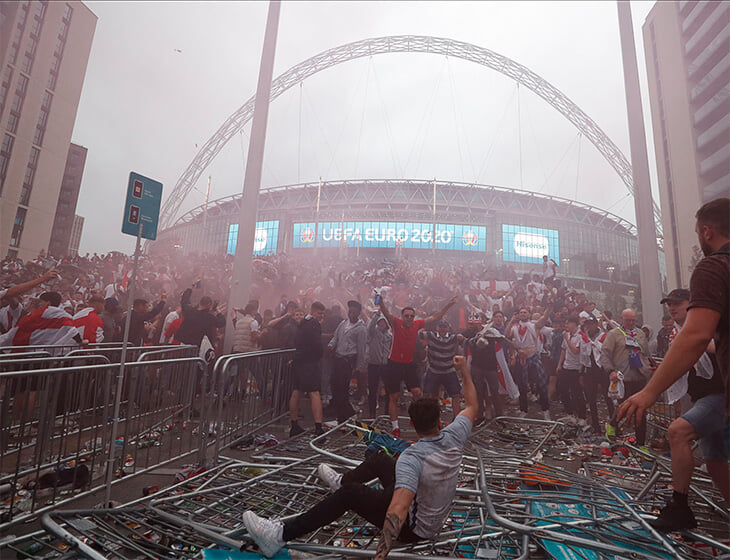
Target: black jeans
x=369, y=503
x=596, y=383
x=340, y=383
x=376, y=372
x=572, y=392
x=486, y=382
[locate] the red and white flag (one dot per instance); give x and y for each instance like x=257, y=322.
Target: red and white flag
x=90, y=325
x=504, y=375
x=49, y=326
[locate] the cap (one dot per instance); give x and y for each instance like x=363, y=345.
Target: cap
x=356, y=304
x=680, y=294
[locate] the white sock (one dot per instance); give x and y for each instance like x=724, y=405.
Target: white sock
x=394, y=424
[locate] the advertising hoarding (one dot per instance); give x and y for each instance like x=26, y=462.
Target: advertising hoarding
x=265, y=239
x=410, y=235
x=528, y=244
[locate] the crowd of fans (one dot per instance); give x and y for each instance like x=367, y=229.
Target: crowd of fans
x=529, y=337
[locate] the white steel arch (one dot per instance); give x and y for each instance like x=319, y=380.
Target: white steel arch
x=399, y=44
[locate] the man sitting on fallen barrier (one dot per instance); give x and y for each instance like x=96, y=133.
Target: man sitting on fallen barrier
x=417, y=489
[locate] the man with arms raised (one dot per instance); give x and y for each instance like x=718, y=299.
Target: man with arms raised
x=401, y=367
x=418, y=490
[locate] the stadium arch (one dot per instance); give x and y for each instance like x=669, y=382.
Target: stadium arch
x=402, y=44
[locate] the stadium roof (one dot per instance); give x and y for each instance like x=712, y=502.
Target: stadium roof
x=396, y=199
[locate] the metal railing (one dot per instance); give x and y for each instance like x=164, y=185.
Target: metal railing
x=249, y=390
x=56, y=425
x=57, y=417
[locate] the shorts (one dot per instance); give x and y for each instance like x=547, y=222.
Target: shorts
x=707, y=417
x=397, y=373
x=307, y=377
x=449, y=381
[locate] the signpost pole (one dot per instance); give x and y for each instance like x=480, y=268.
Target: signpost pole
x=241, y=277
x=120, y=375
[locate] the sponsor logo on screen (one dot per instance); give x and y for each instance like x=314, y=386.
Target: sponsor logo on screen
x=531, y=245
x=307, y=235
x=470, y=239
x=260, y=238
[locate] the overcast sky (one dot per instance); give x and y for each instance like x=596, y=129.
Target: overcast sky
x=162, y=77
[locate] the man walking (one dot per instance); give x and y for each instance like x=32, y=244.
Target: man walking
x=380, y=341
x=348, y=345
x=307, y=369
x=625, y=352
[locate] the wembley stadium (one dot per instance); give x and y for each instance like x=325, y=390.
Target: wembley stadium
x=497, y=225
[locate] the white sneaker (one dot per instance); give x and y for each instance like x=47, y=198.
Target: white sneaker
x=546, y=415
x=267, y=534
x=521, y=414
x=329, y=476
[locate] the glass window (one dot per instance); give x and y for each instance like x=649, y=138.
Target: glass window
x=13, y=122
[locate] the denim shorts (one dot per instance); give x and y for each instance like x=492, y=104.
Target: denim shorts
x=449, y=381
x=707, y=417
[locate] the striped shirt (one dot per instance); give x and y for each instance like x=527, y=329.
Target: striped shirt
x=441, y=352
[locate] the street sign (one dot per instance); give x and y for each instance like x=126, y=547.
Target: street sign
x=144, y=196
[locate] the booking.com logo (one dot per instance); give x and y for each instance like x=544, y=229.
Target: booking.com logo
x=470, y=239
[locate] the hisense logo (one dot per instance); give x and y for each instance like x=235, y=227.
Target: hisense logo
x=531, y=245
x=260, y=238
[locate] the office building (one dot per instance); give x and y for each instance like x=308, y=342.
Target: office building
x=64, y=220
x=75, y=240
x=687, y=47
x=44, y=50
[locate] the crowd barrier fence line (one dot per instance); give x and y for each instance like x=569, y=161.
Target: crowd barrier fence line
x=56, y=417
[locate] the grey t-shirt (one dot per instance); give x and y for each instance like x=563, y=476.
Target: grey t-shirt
x=430, y=468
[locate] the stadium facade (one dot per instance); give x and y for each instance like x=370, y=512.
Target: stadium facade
x=497, y=225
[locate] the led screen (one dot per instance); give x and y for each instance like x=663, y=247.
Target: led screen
x=453, y=237
x=265, y=238
x=528, y=245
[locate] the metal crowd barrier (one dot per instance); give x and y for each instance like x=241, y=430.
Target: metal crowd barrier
x=112, y=350
x=135, y=353
x=507, y=506
x=249, y=390
x=56, y=425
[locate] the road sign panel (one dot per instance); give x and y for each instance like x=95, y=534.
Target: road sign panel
x=144, y=196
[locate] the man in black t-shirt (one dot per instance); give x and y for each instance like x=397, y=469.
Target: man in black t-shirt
x=708, y=315
x=307, y=369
